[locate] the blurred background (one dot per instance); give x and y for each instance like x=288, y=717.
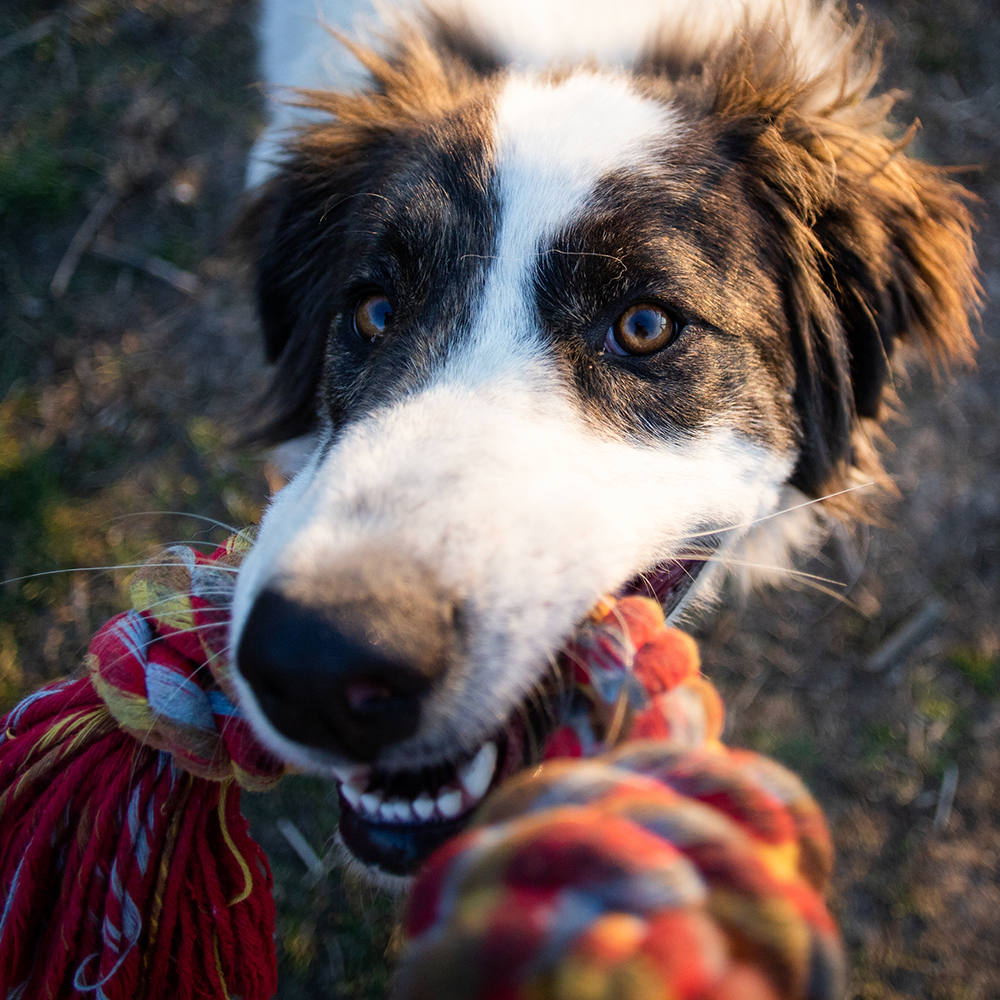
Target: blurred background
x=129, y=362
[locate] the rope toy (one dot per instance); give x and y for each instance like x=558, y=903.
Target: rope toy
x=126, y=868
x=666, y=866
x=671, y=868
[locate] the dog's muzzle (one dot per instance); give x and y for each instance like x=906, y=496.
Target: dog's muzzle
x=342, y=662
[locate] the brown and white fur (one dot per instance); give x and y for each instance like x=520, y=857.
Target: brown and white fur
x=458, y=258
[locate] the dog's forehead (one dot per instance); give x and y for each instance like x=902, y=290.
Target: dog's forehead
x=533, y=152
x=554, y=139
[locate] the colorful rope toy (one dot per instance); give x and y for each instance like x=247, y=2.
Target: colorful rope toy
x=668, y=866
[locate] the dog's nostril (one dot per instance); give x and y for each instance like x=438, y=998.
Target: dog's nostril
x=363, y=696
x=347, y=672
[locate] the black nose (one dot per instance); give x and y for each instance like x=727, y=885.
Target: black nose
x=342, y=660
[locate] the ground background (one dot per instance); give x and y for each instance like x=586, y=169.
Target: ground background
x=119, y=400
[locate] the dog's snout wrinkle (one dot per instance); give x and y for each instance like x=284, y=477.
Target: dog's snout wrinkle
x=341, y=660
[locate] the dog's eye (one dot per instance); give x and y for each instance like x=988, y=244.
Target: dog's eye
x=372, y=316
x=643, y=329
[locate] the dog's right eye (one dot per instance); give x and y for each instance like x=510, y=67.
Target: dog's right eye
x=643, y=329
x=372, y=316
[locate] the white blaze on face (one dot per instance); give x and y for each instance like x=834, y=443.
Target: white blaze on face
x=490, y=476
x=552, y=143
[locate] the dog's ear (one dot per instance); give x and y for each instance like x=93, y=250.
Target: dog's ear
x=895, y=263
x=294, y=231
x=293, y=251
x=874, y=248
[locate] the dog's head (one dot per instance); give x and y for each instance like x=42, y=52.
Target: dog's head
x=559, y=332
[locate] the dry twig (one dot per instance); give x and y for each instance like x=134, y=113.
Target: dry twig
x=946, y=797
x=78, y=245
x=908, y=635
x=302, y=847
x=183, y=281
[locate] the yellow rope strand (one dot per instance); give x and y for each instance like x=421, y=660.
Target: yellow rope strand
x=90, y=726
x=218, y=967
x=240, y=860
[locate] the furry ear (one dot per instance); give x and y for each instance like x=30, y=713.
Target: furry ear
x=898, y=259
x=875, y=249
x=895, y=260
x=293, y=265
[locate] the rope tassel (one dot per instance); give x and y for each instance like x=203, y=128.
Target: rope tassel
x=126, y=868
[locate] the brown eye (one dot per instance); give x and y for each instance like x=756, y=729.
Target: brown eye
x=642, y=329
x=372, y=316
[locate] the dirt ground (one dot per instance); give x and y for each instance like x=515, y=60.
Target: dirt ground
x=122, y=388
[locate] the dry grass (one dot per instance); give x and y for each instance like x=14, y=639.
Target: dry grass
x=138, y=116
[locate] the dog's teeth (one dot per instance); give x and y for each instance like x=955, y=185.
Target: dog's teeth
x=478, y=773
x=355, y=774
x=423, y=806
x=371, y=801
x=387, y=810
x=404, y=814
x=351, y=794
x=449, y=803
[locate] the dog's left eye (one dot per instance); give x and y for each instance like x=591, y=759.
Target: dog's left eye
x=642, y=329
x=372, y=316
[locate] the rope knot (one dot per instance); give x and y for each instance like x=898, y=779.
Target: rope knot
x=162, y=668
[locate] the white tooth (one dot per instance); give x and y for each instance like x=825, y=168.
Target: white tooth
x=352, y=794
x=356, y=774
x=478, y=773
x=403, y=811
x=387, y=810
x=423, y=806
x=449, y=803
x=370, y=801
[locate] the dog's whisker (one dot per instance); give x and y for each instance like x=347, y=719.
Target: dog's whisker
x=104, y=569
x=778, y=513
x=179, y=513
x=191, y=541
x=564, y=690
x=531, y=738
x=799, y=574
x=630, y=649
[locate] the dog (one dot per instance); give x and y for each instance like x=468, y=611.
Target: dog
x=568, y=298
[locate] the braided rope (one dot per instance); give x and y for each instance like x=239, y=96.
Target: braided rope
x=162, y=668
x=671, y=867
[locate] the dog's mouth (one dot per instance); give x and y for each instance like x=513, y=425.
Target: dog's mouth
x=393, y=820
x=669, y=582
